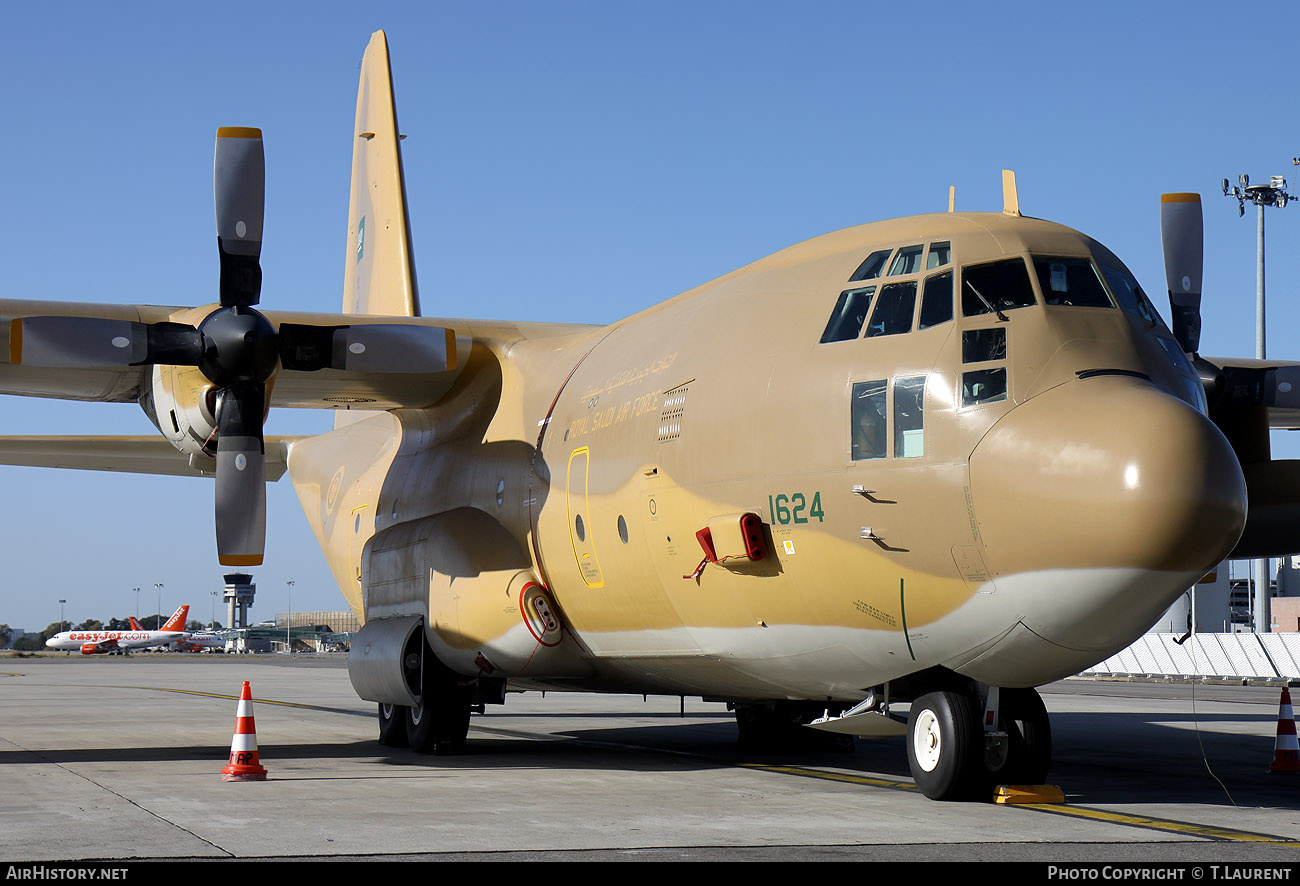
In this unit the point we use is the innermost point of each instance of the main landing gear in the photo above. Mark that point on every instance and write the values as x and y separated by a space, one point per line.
438 725
954 756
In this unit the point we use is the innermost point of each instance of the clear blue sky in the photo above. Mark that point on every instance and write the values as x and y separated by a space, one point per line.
579 161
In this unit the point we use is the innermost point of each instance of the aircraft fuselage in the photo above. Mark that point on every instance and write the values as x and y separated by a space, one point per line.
970 441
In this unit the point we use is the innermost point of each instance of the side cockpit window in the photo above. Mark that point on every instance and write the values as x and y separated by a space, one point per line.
1130 295
995 286
850 313
1072 282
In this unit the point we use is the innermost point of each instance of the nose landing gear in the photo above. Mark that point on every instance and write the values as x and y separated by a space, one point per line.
957 754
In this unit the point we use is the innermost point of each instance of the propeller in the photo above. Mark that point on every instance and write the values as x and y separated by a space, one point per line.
235 347
1227 388
1181 235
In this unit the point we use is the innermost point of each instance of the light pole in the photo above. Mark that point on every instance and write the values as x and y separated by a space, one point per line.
61 602
159 586
1272 194
288 619
214 594
137 603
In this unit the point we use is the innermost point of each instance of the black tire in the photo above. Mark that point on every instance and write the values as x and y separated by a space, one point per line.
419 727
392 725
943 746
1028 752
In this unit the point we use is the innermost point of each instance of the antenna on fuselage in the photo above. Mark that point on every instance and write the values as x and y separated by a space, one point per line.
1010 199
952 197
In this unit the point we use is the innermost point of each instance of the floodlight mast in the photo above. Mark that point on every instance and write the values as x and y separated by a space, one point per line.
1272 194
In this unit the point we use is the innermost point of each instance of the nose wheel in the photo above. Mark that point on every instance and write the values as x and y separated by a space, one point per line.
943 750
952 757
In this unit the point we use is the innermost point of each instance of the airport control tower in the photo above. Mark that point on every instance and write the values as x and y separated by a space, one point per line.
239 593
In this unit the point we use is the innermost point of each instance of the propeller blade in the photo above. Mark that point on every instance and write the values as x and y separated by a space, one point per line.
380 347
98 343
241 476
239 190
1182 235
76 342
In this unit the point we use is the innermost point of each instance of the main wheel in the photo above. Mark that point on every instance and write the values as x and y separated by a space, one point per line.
943 749
392 725
1027 753
441 723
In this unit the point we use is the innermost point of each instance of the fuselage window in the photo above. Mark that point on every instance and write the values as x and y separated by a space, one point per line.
995 286
1072 282
850 312
983 386
909 417
867 415
894 307
940 255
982 345
870 269
936 300
908 261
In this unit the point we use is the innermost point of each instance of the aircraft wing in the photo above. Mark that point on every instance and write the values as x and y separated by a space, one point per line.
1273 384
30 365
135 455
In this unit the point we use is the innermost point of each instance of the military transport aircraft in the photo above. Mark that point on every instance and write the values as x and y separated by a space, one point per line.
103 642
931 462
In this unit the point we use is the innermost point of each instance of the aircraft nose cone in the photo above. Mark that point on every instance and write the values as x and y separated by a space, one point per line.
1098 502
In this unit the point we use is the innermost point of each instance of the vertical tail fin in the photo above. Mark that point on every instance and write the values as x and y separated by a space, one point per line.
380 275
177 621
135 625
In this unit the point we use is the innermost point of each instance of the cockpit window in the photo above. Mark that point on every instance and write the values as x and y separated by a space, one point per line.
936 299
894 307
849 314
870 268
1130 295
940 255
983 386
1072 282
908 261
995 286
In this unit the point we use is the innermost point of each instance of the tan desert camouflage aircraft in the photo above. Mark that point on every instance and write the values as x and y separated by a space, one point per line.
937 460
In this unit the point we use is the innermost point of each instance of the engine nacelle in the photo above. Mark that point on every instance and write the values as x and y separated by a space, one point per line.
92 649
181 402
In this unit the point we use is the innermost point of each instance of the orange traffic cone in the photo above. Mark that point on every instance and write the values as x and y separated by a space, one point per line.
1286 753
243 747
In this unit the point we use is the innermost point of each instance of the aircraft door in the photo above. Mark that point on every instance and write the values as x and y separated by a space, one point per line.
580 525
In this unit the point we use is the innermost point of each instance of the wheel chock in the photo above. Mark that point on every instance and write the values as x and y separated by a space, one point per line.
1025 794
